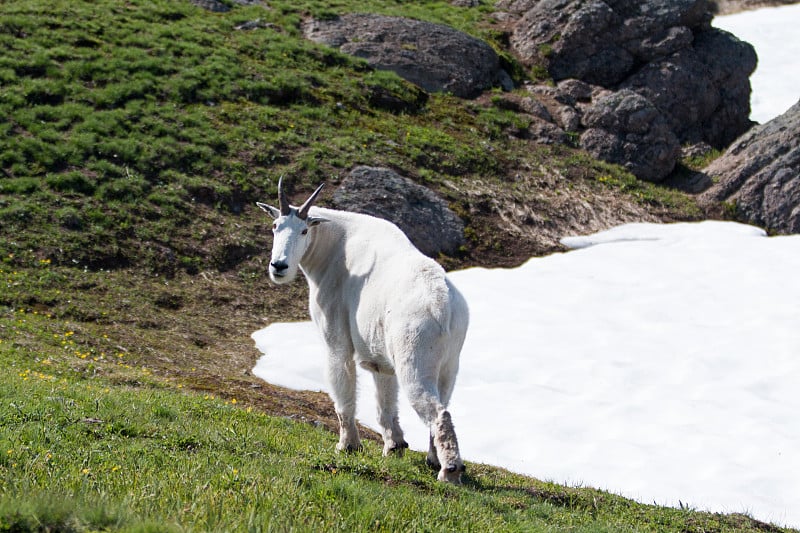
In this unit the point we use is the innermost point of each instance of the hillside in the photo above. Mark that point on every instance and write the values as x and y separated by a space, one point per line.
134 152
136 137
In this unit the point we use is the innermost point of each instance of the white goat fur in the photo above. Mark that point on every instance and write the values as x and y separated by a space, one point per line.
381 303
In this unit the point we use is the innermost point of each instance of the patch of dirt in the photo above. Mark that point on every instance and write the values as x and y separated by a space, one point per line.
508 225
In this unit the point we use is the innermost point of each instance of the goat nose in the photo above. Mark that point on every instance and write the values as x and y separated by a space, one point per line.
279 266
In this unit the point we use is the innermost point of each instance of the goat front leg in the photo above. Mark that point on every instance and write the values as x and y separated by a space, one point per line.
342 379
386 394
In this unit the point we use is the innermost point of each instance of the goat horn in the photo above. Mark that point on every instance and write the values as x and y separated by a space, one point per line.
303 211
283 202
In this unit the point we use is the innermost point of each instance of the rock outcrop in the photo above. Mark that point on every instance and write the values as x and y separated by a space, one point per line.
758 177
604 42
704 90
419 212
437 58
627 128
635 80
693 77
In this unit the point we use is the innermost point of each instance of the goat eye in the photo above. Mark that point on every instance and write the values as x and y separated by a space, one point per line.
274 227
304 231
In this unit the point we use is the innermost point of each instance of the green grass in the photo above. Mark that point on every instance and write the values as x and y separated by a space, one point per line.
92 442
168 106
117 116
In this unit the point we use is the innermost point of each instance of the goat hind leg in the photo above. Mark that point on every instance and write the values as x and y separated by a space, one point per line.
443 452
446 444
443 437
386 394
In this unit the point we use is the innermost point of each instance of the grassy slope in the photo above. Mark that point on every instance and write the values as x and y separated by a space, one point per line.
134 137
93 441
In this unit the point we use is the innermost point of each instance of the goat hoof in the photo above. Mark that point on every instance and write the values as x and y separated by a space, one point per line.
451 474
397 448
432 464
349 448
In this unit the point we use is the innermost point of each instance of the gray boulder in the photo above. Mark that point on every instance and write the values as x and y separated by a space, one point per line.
542 127
703 90
695 76
665 50
603 42
418 211
437 58
575 39
758 177
565 101
625 128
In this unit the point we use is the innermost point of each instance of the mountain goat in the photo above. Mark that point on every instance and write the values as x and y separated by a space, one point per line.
380 303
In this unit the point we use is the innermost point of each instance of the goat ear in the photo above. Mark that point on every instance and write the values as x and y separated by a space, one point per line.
313 221
273 211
